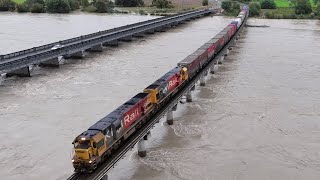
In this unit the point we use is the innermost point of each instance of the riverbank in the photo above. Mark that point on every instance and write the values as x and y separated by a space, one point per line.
285 13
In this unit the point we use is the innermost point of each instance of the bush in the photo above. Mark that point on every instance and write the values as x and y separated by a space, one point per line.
22 7
58 6
303 7
37 8
84 3
205 2
29 3
268 4
162 3
7 5
317 9
226 5
104 6
254 9
74 4
129 3
90 8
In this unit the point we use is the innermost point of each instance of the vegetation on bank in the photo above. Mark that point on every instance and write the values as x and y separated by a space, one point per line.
158 7
276 9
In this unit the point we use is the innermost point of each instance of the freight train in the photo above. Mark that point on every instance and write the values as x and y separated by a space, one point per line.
95 145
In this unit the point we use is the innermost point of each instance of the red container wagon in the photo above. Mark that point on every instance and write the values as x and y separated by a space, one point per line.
209 47
225 36
229 31
234 28
195 61
218 42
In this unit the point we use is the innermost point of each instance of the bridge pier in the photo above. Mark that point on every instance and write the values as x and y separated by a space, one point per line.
142 152
126 39
170 117
189 96
23 72
212 69
138 35
202 80
175 24
160 29
175 107
221 59
216 66
112 43
105 177
97 48
79 54
227 52
147 136
151 31
51 63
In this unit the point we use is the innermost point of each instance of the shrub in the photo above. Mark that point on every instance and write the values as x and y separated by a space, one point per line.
161 3
268 4
37 8
205 2
29 3
22 7
7 5
254 9
90 8
303 7
129 3
58 6
226 5
317 9
104 6
84 3
74 4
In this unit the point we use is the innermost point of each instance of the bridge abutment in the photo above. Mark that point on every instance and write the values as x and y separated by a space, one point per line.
142 152
54 62
22 72
170 117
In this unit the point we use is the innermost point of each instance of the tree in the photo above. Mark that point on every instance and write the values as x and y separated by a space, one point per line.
129 3
268 4
302 7
317 10
161 3
58 6
84 3
7 5
37 8
22 7
104 6
74 4
204 2
226 5
254 9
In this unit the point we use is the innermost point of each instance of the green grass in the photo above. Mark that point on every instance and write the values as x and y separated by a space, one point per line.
286 3
19 1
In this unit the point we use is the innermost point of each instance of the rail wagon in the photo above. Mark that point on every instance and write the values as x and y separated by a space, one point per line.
194 62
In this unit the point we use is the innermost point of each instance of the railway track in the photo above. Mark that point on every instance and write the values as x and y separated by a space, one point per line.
101 172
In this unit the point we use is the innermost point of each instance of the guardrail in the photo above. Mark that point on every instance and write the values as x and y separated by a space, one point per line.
104 169
88 41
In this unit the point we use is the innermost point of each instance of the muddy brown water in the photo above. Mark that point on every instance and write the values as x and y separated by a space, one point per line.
257 118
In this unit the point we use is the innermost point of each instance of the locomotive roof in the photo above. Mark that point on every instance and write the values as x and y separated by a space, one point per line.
164 78
88 134
137 98
100 125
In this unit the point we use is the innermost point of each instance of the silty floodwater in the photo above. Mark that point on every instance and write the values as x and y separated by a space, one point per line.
257 118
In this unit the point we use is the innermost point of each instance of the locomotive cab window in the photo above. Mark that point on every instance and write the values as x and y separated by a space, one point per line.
100 143
82 145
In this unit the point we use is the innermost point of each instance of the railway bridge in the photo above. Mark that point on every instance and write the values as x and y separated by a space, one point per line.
140 136
19 63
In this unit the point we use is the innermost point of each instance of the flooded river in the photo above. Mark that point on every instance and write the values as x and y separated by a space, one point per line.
257 118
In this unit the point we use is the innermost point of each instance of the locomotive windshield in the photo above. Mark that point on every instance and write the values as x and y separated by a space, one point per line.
82 145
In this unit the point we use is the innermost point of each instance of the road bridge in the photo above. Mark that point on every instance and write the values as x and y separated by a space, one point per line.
18 63
142 134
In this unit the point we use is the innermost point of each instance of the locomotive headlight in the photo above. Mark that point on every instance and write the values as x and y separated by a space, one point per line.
83 138
90 161
72 160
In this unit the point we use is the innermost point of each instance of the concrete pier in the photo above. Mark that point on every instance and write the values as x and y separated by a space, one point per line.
160 29
23 72
151 31
112 43
175 107
138 35
105 177
202 80
79 54
216 67
227 52
127 38
51 63
193 88
97 48
147 136
212 69
221 59
189 96
170 117
142 152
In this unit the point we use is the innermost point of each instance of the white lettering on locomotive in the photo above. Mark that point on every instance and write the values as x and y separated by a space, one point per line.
129 117
172 82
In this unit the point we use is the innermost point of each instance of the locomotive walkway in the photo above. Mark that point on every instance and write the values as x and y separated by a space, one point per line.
18 63
141 135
